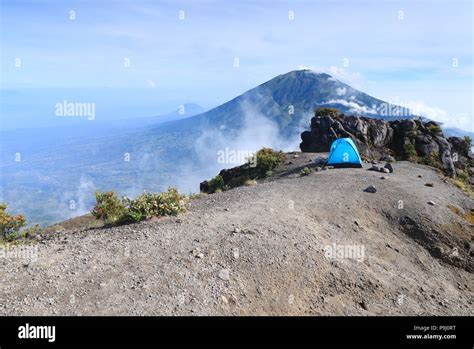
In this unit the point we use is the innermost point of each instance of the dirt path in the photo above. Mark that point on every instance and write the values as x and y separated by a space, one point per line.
264 250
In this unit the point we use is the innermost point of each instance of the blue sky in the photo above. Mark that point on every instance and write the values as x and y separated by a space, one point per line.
403 57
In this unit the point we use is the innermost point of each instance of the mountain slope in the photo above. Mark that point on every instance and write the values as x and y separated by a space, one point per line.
289 98
262 250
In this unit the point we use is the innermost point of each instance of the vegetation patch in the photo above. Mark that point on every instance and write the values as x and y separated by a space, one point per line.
13 228
305 171
267 160
216 184
113 210
332 112
410 152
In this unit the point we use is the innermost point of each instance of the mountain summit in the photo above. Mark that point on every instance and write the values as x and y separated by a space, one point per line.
290 99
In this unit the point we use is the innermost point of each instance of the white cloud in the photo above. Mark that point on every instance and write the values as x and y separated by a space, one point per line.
353 106
341 91
462 121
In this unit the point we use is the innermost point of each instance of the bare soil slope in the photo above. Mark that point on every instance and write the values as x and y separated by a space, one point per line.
262 250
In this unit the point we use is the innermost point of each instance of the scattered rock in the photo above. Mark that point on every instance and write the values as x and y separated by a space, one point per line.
389 167
374 168
432 203
388 158
370 189
429 184
224 274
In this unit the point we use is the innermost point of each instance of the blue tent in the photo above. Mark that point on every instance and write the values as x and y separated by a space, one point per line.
344 153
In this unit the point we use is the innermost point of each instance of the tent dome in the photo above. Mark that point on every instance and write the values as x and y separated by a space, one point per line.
344 153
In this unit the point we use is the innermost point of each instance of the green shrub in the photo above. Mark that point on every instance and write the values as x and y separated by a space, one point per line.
468 140
432 160
410 151
268 174
463 176
434 129
467 144
114 211
109 208
305 171
332 112
268 160
11 226
147 205
216 184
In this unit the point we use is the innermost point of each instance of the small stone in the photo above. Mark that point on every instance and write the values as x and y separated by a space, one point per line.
388 166
370 189
432 203
429 184
224 274
296 156
237 230
420 176
382 177
200 255
384 170
226 209
363 304
236 253
374 168
224 300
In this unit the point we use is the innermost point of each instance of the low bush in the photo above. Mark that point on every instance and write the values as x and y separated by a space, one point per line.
109 208
268 159
216 184
410 152
332 112
305 171
432 160
11 226
113 210
435 130
147 205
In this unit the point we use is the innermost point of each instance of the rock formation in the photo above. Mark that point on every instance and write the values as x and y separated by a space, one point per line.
408 139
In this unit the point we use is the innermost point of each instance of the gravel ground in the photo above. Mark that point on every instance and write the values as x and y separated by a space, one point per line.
264 250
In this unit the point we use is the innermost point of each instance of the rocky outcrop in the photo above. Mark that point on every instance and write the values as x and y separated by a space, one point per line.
408 139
